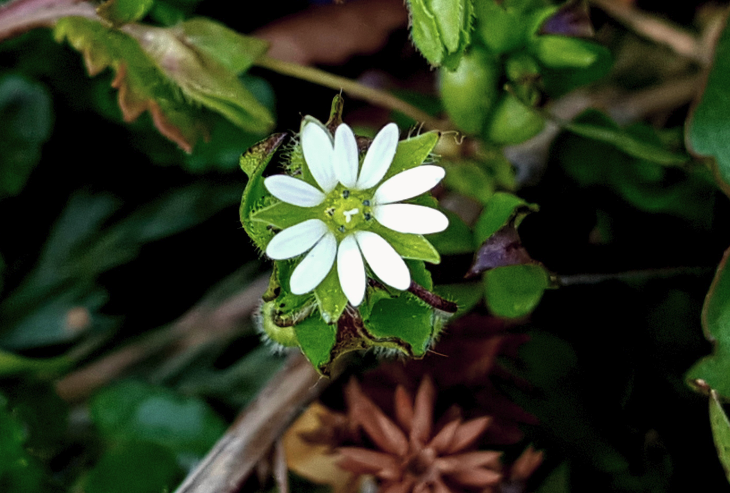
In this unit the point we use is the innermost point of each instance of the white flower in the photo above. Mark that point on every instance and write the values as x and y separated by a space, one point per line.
349 202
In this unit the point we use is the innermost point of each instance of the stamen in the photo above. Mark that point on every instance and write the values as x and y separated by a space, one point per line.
345 193
368 216
350 213
341 229
366 203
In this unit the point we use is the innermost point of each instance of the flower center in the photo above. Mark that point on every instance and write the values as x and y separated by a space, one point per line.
347 210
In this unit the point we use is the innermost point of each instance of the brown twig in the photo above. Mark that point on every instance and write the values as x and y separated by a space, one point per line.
632 275
658 30
251 436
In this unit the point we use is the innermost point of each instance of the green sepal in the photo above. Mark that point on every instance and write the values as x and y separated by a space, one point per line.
470 179
253 162
282 214
425 32
120 12
412 152
452 60
317 340
419 273
408 246
514 291
404 318
503 208
330 298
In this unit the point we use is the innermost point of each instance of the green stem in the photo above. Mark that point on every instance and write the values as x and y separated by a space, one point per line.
351 87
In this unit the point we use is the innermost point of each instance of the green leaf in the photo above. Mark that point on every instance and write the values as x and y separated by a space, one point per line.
514 291
404 318
720 431
501 209
412 152
455 239
594 125
558 481
137 467
19 471
559 81
140 412
409 246
163 71
253 163
708 129
119 12
13 364
330 298
26 121
469 179
317 339
714 369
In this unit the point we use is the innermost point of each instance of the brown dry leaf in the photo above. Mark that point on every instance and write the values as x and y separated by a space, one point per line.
331 34
316 461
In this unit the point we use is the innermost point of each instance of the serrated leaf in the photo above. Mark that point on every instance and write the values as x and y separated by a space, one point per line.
135 411
515 290
119 12
425 32
162 71
594 125
708 128
715 368
26 120
720 431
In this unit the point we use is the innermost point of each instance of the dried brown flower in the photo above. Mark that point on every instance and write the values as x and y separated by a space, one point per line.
414 455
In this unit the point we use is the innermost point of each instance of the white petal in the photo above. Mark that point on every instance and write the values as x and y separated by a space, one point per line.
411 218
408 184
315 266
296 239
379 157
293 191
345 156
383 260
351 270
317 148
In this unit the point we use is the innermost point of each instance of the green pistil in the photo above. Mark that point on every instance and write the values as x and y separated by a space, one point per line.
347 210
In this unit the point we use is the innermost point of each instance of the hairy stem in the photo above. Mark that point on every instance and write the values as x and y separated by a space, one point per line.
351 87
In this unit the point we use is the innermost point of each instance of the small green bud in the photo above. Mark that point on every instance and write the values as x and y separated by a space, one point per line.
501 29
513 122
521 68
563 52
469 92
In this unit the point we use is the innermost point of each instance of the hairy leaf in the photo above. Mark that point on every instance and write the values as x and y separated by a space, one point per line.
119 12
172 72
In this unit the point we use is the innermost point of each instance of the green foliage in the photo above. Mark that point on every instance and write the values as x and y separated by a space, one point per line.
514 290
720 431
19 472
714 369
132 411
503 208
707 132
119 12
138 467
26 120
164 70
